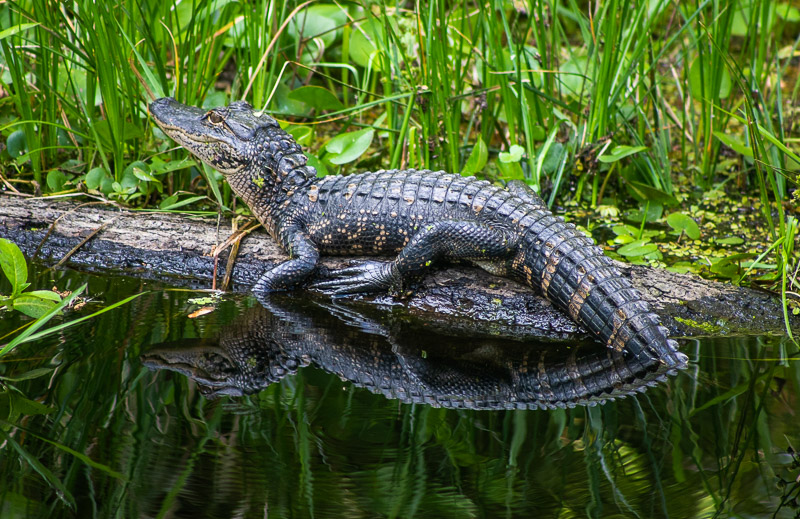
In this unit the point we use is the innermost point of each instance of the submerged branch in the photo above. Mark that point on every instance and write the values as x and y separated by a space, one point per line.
177 249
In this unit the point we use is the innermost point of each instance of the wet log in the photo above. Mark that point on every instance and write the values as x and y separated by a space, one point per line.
103 238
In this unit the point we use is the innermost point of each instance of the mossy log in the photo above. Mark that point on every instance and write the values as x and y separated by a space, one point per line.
99 237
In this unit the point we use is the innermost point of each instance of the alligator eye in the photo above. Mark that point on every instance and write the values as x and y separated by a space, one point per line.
215 118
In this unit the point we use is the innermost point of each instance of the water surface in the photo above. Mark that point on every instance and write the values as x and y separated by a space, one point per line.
108 436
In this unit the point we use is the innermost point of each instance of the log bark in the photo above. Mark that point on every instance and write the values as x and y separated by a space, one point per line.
175 248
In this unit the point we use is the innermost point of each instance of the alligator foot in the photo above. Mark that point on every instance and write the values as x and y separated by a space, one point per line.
362 278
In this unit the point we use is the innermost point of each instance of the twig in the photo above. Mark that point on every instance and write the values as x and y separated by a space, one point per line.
83 241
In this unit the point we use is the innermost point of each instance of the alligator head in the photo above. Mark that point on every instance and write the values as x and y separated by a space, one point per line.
247 146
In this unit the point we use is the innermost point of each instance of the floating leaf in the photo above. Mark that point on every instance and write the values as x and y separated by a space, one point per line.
316 97
683 223
637 248
349 146
732 240
477 158
620 152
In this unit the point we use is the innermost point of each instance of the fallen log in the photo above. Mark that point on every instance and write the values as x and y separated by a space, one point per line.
100 237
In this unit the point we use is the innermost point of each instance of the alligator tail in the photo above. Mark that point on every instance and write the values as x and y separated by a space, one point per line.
575 275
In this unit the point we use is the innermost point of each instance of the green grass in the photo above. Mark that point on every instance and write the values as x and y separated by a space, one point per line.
618 104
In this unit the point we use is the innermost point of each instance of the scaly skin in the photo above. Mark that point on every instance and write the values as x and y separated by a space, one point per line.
423 217
264 345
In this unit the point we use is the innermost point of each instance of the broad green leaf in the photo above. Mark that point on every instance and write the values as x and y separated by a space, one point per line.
314 162
514 154
316 97
301 134
683 223
145 176
620 152
56 180
553 157
98 178
700 87
477 158
45 294
17 144
637 248
159 167
730 266
786 11
33 306
11 31
130 178
349 146
282 103
364 42
734 144
318 21
14 266
510 170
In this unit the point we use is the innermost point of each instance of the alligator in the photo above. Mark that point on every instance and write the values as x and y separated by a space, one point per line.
423 217
401 359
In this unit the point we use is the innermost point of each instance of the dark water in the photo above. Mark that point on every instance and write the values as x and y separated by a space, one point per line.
108 436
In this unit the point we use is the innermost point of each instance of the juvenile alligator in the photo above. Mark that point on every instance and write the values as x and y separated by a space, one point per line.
266 344
424 217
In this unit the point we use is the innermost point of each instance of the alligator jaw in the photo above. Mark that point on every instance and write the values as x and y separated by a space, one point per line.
199 362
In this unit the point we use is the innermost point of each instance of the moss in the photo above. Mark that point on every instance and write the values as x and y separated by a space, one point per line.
706 327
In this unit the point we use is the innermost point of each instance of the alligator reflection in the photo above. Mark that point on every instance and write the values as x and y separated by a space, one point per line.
402 360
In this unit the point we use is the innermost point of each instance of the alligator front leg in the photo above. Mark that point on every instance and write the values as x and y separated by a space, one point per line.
303 256
447 240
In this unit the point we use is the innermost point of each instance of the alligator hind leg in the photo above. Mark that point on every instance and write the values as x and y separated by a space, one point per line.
447 240
520 189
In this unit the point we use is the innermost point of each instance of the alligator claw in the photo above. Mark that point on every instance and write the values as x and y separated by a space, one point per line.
363 278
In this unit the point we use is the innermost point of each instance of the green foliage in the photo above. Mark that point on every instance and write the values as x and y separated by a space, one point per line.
684 224
36 303
348 147
651 103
